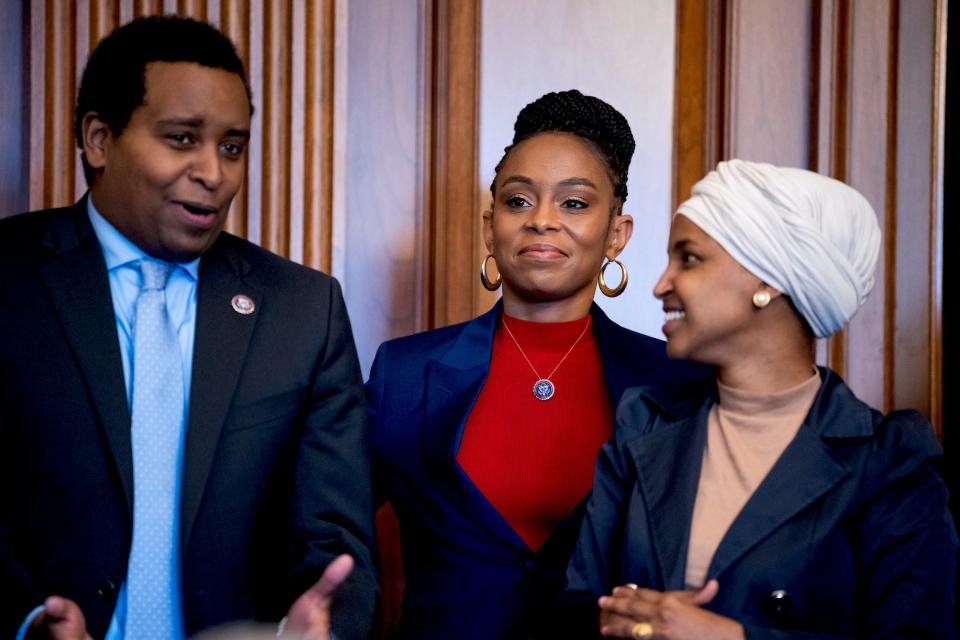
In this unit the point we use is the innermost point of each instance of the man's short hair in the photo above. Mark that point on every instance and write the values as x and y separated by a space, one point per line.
113 82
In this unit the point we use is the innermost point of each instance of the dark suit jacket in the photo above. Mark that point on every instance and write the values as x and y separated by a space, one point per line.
468 574
851 523
275 472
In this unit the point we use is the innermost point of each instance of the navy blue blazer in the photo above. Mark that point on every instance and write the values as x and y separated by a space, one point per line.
848 536
468 574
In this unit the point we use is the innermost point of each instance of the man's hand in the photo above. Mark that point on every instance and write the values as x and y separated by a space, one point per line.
62 620
309 616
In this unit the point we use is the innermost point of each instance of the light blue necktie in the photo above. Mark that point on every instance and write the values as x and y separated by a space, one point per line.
153 585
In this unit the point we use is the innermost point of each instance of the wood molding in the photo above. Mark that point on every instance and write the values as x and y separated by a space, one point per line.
452 228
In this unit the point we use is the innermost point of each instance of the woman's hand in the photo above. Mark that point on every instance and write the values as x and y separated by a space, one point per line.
670 615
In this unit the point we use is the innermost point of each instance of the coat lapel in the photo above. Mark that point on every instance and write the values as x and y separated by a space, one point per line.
220 349
76 280
805 471
453 383
668 461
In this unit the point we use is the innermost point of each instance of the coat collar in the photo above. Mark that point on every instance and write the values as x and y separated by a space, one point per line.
76 280
668 460
454 381
221 342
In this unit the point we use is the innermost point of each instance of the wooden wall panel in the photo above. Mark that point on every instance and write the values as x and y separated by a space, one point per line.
767 81
14 115
849 88
286 202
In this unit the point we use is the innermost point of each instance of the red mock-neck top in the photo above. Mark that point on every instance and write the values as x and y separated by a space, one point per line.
533 459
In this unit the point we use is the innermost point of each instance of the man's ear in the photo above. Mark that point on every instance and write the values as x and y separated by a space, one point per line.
96 139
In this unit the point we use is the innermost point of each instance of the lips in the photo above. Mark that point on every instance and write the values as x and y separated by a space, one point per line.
542 251
198 215
671 318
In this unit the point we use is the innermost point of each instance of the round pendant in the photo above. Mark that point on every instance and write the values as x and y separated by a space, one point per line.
543 389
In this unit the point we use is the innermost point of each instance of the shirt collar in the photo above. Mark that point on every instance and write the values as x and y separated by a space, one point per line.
119 251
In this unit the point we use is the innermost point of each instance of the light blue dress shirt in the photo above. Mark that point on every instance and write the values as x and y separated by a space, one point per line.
123 258
123 269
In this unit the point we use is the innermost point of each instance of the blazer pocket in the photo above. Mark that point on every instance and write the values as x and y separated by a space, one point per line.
279 406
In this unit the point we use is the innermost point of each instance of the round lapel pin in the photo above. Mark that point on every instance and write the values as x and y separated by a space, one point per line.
244 305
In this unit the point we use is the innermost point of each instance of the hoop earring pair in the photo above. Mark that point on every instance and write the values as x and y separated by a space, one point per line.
613 292
489 286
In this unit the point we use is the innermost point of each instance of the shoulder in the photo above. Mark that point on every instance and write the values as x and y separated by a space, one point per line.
420 347
648 408
22 232
644 358
903 444
273 273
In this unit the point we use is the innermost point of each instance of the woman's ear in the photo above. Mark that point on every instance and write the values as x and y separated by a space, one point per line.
621 228
488 230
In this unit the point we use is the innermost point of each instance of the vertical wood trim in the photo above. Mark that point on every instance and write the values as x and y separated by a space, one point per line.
235 22
453 231
38 52
255 152
689 98
890 211
699 90
275 130
338 130
318 134
936 218
837 345
60 38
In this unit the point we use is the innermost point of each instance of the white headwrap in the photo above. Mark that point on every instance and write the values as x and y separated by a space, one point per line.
811 237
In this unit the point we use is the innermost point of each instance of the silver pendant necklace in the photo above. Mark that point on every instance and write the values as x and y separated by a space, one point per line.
543 388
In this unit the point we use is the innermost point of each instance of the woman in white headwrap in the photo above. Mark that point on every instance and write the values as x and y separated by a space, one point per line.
773 504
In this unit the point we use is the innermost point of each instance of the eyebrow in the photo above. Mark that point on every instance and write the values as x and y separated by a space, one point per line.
521 179
577 182
196 123
569 182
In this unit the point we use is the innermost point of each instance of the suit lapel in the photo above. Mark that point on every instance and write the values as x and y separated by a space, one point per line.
668 462
79 288
220 348
453 383
805 471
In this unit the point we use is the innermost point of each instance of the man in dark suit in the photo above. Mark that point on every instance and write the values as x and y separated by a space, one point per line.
269 484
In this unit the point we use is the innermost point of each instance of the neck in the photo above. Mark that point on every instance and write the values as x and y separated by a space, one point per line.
769 372
571 308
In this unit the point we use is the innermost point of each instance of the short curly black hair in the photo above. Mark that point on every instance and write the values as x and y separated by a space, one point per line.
113 84
584 116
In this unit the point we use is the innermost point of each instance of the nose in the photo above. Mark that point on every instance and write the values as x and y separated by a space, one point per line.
664 286
206 167
542 218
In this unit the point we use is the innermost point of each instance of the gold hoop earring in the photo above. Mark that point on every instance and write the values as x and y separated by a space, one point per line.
489 286
761 298
615 291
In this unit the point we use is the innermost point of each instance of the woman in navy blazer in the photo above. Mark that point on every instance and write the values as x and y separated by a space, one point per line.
484 558
836 526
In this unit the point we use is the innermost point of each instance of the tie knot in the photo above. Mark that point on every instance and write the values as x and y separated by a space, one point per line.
155 274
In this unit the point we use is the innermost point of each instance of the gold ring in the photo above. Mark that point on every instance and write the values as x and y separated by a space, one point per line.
642 631
632 585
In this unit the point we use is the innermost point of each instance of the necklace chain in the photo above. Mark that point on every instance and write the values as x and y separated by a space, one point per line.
533 368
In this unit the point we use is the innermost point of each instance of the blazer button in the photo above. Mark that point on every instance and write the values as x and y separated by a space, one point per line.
530 564
106 589
779 603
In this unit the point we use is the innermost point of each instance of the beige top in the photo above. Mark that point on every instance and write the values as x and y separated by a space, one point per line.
746 433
